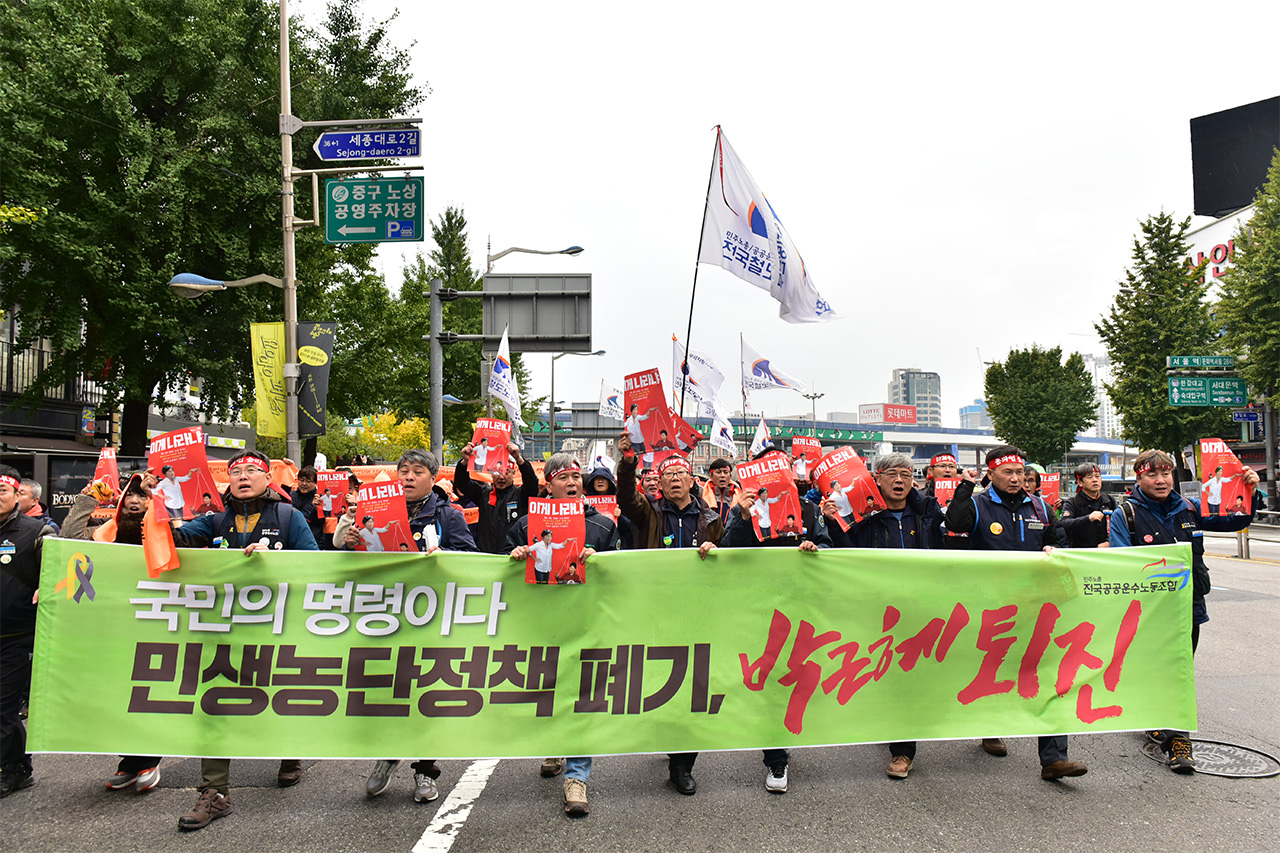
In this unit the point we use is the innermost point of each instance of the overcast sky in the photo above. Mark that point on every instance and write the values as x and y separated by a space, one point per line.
961 179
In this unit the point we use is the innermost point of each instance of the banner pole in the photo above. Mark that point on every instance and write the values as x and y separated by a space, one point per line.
693 293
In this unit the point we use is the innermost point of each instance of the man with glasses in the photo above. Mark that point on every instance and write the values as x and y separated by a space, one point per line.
256 518
1155 515
911 520
564 482
1006 518
675 519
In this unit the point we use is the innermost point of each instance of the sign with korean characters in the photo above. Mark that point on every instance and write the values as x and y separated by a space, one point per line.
349 655
373 210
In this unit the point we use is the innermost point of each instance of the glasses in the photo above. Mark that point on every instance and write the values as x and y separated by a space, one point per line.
898 475
244 471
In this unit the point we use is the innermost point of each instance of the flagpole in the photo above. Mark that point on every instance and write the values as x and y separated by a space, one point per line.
742 377
706 203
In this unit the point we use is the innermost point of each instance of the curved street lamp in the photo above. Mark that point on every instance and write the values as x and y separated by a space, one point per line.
192 286
572 250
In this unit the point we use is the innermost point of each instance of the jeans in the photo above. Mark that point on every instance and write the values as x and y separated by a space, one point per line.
577 768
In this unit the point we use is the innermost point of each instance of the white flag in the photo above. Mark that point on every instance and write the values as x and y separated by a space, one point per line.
599 457
722 435
742 233
696 375
610 402
759 373
762 438
502 384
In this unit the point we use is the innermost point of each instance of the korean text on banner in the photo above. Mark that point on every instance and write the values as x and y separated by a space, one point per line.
342 655
315 356
267 345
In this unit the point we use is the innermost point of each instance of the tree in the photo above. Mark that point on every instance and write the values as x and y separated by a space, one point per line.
1159 311
1039 402
1248 312
149 131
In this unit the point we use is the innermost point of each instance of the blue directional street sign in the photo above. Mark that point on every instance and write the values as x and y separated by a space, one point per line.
370 144
1248 416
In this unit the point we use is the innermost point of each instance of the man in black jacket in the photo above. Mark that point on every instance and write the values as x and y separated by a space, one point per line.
812 535
1085 514
564 482
20 538
500 504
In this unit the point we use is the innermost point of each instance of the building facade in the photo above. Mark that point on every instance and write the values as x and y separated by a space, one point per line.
975 416
919 388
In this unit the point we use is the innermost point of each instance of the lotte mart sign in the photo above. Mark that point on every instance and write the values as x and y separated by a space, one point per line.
373 210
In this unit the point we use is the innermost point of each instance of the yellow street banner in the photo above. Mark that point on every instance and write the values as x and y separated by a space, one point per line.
268 376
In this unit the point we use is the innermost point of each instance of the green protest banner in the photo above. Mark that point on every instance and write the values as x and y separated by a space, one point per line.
343 655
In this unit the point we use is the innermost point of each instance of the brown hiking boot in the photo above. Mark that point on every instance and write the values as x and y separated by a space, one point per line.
552 767
211 806
290 773
575 798
994 746
1061 768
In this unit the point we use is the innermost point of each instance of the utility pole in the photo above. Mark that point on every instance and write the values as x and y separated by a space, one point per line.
293 447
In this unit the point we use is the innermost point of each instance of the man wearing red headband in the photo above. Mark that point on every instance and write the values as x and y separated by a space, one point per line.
1006 518
20 538
1156 515
256 518
564 482
676 519
500 504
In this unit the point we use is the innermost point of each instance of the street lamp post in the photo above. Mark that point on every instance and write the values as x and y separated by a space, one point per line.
490 258
554 359
813 402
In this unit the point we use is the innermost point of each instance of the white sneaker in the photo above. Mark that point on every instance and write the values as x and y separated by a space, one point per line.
379 777
424 788
775 781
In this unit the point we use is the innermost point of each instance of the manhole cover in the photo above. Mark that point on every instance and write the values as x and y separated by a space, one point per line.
1215 758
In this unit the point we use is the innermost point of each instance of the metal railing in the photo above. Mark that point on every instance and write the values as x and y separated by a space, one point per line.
20 369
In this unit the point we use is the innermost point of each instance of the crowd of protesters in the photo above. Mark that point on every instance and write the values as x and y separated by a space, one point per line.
668 507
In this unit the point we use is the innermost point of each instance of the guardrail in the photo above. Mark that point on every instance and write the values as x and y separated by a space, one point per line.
1260 532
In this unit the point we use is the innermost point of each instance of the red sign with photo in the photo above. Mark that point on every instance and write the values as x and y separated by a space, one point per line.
382 520
1222 487
557 530
107 471
489 446
333 487
944 489
1051 488
606 505
648 421
179 460
776 511
842 476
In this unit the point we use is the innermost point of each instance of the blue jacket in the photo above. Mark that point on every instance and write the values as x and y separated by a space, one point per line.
278 522
921 527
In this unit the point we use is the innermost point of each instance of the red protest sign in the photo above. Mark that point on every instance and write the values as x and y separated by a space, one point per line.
648 422
842 476
382 520
1222 487
807 451
775 510
179 460
1051 488
606 505
944 489
489 450
557 529
333 487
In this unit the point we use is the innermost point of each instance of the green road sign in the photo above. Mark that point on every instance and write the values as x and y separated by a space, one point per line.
1207 391
368 210
1228 392
1209 362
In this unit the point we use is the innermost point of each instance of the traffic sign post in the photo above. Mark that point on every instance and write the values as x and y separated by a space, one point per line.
373 210
1207 391
1207 362
369 144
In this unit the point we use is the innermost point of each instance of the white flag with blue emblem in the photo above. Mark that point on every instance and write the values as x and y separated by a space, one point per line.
761 440
611 402
502 384
759 373
742 233
722 434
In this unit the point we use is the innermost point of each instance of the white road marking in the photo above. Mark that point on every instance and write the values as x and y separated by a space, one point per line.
452 816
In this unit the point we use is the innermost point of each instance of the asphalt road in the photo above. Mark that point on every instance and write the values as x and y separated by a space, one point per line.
957 797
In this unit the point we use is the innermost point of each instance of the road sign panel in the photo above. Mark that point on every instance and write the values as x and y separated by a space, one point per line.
373 210
1208 362
1228 392
1249 416
1188 391
378 144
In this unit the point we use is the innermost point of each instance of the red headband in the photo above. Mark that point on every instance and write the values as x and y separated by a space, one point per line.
10 481
1150 464
674 462
572 466
1005 460
1090 471
940 458
252 460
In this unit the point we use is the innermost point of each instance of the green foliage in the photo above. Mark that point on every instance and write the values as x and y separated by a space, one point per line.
148 129
1159 311
1249 310
1040 403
